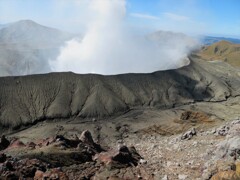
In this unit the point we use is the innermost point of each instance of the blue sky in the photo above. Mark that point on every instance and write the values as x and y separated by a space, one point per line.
217 17
213 17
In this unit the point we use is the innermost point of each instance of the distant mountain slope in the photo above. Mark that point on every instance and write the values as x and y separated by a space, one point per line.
28 99
26 47
208 40
1 26
222 50
171 38
30 33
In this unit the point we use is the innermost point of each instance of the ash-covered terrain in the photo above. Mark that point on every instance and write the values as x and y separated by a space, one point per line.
29 99
180 123
174 124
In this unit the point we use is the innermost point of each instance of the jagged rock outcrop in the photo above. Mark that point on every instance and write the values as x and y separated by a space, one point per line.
189 134
70 158
13 168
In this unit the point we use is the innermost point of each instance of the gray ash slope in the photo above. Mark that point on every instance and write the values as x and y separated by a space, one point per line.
27 99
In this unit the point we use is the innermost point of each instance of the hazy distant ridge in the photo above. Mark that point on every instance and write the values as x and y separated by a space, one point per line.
26 47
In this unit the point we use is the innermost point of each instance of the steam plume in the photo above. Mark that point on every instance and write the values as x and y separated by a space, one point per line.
110 46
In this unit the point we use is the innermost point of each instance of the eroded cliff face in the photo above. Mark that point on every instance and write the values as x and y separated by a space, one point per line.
28 99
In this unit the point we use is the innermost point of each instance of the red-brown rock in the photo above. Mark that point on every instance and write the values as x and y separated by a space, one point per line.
16 143
51 174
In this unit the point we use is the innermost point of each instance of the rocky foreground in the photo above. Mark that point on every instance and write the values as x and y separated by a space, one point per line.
194 154
62 158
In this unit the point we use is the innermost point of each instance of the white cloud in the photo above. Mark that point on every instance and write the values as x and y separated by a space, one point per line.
176 17
144 16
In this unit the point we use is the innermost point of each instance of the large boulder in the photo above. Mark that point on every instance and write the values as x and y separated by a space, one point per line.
118 158
189 134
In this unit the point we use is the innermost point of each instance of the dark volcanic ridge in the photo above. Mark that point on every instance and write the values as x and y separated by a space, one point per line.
28 99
